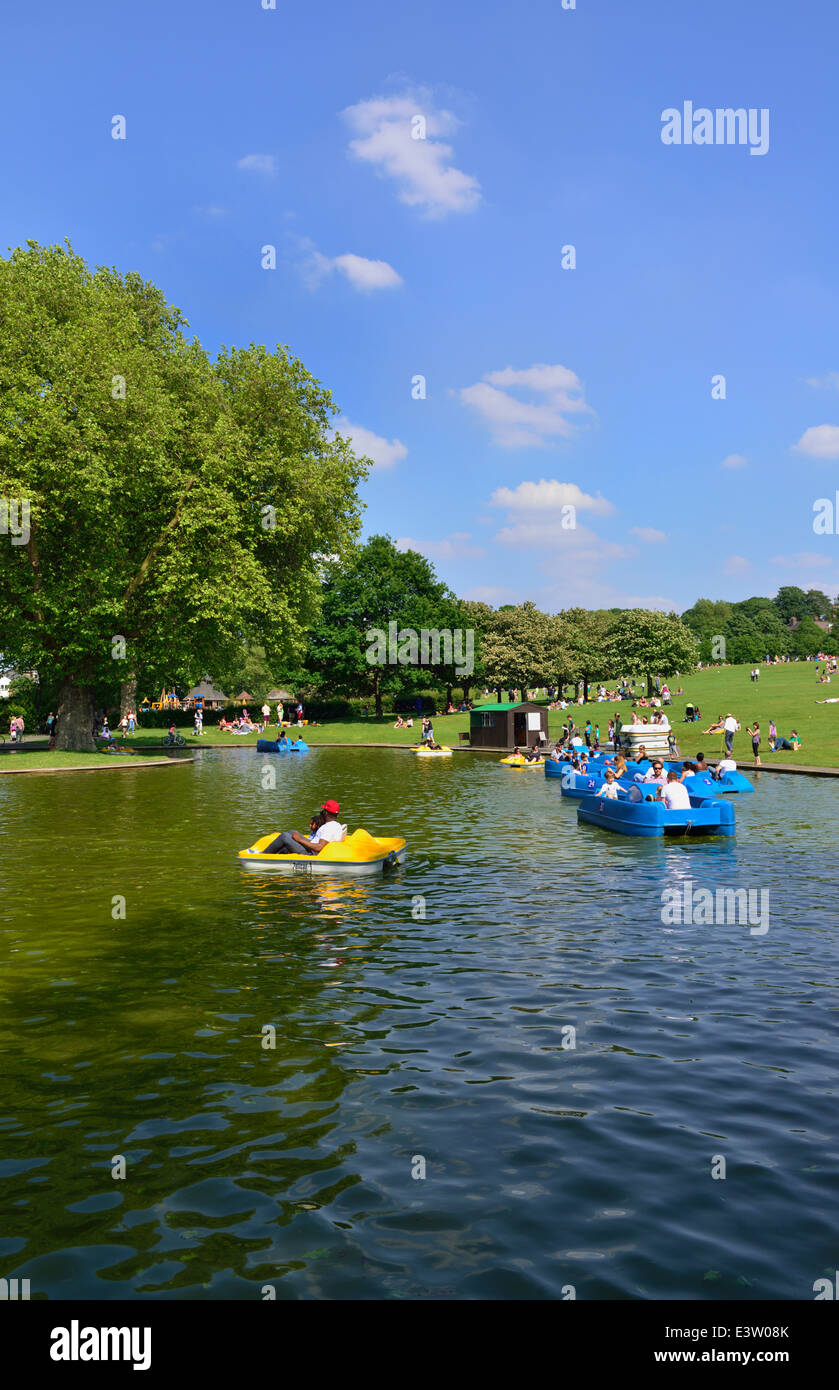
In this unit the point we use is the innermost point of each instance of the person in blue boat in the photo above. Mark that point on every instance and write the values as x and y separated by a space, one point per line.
326 832
726 764
610 787
656 773
301 746
674 793
282 742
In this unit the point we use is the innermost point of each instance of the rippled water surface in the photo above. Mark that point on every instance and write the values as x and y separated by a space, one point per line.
405 1041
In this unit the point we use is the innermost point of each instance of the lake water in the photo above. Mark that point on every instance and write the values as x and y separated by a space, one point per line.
405 1042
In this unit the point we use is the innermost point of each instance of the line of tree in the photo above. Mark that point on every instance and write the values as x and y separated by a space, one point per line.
786 625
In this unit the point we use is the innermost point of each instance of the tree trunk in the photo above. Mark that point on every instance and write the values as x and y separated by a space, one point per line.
466 689
448 695
128 694
75 718
377 691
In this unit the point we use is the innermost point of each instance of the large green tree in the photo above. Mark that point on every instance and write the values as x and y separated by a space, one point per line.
643 642
516 648
371 598
177 506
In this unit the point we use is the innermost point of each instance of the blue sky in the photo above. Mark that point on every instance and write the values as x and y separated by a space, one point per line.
442 257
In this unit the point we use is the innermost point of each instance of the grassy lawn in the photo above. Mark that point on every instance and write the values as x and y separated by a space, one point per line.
35 754
785 693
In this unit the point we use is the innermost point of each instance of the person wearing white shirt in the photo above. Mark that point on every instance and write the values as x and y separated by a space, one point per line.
726 765
675 794
731 726
328 832
610 786
656 774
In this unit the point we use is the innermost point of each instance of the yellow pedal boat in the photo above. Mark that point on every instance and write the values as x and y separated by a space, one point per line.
434 752
356 855
519 761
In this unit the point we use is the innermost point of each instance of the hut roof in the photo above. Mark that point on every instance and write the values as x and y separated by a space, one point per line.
208 692
243 696
279 695
508 705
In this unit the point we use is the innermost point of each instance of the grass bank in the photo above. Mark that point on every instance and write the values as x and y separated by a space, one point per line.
786 693
36 757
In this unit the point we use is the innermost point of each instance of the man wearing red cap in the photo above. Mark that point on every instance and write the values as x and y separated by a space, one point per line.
290 842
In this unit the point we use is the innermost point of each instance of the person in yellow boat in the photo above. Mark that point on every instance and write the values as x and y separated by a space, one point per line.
326 833
534 755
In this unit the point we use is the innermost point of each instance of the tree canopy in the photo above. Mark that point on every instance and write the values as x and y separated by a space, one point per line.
177 506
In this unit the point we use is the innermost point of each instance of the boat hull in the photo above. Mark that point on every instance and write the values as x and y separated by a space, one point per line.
647 819
358 856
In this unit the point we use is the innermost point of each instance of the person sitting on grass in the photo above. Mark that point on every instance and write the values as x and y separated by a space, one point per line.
400 722
716 727
328 832
796 741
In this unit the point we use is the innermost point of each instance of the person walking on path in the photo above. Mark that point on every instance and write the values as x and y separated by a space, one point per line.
266 713
132 721
730 726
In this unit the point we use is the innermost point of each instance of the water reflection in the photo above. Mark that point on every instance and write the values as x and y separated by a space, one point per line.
396 1037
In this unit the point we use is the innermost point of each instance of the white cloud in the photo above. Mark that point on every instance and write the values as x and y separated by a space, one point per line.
516 423
548 495
649 534
364 275
383 130
828 382
258 163
734 461
453 547
803 560
549 534
384 452
819 442
736 564
367 275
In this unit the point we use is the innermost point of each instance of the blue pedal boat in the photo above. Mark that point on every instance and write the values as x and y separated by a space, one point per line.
269 745
706 816
730 782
